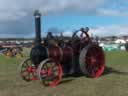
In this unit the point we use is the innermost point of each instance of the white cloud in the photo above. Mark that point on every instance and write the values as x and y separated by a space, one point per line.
14 9
68 33
110 12
16 15
111 30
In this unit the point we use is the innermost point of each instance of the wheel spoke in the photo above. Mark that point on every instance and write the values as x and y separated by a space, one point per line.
25 65
88 58
93 51
91 70
98 54
33 76
23 71
29 76
29 63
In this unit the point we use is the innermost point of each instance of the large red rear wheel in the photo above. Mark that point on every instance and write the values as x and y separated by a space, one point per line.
92 60
50 72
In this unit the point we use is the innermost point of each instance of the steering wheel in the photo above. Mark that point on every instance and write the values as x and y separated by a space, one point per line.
82 38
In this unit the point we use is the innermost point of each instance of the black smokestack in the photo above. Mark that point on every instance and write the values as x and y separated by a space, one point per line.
37 15
38 52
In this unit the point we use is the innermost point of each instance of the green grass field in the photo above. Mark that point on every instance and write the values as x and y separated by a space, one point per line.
114 81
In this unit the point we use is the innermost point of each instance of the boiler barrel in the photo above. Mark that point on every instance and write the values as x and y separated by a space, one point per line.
60 54
55 53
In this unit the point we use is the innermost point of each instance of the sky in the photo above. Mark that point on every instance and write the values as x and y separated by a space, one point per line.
103 17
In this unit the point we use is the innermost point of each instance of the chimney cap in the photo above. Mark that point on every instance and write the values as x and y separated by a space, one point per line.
37 13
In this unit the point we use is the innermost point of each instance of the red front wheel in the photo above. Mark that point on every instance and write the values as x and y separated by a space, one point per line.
27 70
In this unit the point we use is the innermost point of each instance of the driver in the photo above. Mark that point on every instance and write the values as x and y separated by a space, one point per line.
85 31
49 35
51 39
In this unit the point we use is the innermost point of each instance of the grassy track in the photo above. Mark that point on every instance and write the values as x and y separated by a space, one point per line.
114 81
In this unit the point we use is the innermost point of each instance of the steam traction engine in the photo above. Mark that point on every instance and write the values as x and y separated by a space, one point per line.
55 58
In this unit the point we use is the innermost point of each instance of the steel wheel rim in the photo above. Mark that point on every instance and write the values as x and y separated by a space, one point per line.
94 61
47 77
19 55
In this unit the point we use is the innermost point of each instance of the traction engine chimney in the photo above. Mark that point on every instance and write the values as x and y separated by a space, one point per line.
38 52
37 27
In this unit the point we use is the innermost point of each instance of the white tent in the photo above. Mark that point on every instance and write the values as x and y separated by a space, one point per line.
120 41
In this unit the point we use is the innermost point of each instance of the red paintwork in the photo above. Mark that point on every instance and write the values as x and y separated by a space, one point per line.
95 62
57 81
60 54
55 53
67 54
